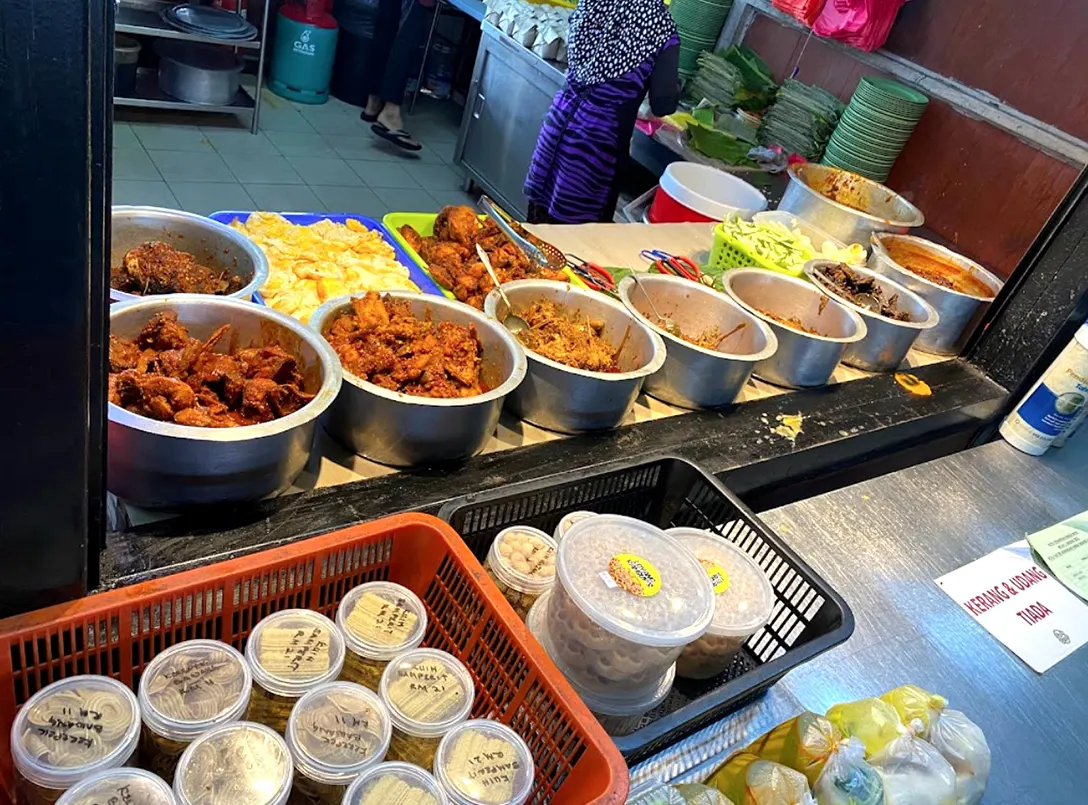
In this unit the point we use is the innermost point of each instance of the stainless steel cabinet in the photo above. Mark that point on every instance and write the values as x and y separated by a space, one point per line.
510 93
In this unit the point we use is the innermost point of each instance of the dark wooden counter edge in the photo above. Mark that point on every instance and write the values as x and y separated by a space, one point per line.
850 431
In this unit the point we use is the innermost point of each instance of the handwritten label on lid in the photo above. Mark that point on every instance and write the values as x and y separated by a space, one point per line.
301 653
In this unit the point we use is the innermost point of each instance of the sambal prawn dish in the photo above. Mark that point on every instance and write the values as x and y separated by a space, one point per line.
380 340
567 337
166 374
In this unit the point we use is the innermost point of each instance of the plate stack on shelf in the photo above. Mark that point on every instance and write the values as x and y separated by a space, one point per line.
874 128
801 119
699 23
216 23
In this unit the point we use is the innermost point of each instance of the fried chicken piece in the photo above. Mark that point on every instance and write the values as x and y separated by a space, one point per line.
123 354
153 396
370 313
413 238
442 253
458 224
163 331
271 363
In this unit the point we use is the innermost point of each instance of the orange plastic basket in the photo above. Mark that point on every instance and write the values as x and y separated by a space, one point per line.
117 633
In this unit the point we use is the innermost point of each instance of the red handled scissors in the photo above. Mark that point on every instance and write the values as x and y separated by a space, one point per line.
592 274
678 265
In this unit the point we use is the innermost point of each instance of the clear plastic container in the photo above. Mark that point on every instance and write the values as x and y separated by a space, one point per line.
744 602
335 733
70 730
629 598
521 562
290 653
395 783
120 787
482 762
618 714
241 763
184 692
428 692
568 520
378 620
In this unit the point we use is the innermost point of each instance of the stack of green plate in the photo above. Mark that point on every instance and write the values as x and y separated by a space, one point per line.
874 128
699 23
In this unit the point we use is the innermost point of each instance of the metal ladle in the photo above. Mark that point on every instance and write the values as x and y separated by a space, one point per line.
512 321
670 326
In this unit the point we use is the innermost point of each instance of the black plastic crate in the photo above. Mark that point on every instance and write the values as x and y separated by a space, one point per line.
809 617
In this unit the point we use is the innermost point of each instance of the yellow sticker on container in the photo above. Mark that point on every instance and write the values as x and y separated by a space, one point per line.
634 574
719 579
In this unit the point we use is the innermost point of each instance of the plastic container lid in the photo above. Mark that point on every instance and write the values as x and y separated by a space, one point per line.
568 520
743 593
235 764
395 782
482 762
337 731
528 573
74 728
381 619
427 692
635 581
194 686
121 785
294 651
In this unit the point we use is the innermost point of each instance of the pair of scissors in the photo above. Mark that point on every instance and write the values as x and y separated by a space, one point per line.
678 265
591 274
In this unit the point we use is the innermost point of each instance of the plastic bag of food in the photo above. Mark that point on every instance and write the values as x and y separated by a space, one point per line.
695 794
912 702
962 743
873 721
803 743
915 773
749 780
847 779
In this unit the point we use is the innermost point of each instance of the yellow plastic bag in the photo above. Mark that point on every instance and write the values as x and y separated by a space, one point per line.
912 702
695 794
803 744
873 721
748 780
847 779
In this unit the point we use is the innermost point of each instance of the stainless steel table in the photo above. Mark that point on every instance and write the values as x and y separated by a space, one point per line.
881 544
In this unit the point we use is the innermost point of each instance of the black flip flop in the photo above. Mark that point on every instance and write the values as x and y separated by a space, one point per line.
366 118
398 137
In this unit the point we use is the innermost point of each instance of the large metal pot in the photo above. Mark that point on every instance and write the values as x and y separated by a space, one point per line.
887 341
693 376
569 400
198 73
214 245
402 430
164 465
956 309
803 360
863 206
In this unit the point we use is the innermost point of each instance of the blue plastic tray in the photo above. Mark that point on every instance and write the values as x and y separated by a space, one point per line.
415 273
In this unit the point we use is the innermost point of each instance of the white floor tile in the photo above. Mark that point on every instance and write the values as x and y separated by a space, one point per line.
452 197
443 151
357 200
435 177
155 137
406 200
261 169
384 174
325 171
301 143
155 194
332 121
283 197
134 163
358 146
207 197
190 166
124 136
286 119
232 141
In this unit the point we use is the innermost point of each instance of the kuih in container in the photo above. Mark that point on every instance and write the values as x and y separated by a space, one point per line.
291 653
334 734
482 762
122 785
521 562
427 692
627 601
68 731
395 782
236 764
567 521
743 603
184 692
378 620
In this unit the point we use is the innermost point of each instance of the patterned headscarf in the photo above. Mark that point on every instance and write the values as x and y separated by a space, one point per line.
609 38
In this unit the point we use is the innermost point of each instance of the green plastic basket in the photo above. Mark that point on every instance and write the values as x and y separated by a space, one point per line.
728 252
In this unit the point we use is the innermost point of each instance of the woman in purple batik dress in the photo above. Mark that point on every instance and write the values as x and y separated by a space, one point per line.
617 51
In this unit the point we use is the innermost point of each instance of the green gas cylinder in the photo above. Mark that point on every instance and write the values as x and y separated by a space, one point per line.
303 53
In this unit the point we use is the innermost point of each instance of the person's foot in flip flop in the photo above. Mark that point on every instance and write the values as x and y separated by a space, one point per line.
390 126
373 107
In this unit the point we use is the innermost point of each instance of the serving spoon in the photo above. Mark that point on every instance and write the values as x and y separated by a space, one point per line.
670 326
512 321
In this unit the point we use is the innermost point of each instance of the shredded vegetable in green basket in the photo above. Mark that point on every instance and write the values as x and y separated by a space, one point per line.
786 248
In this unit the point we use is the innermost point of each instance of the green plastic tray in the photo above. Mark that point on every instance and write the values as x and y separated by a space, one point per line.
730 253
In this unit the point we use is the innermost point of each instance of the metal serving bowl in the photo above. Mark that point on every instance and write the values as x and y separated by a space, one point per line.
561 398
803 360
870 207
888 340
403 430
693 376
213 244
164 465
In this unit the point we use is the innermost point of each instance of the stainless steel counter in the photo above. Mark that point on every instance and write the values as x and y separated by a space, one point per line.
881 544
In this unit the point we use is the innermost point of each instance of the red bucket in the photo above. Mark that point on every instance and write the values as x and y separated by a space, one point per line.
692 193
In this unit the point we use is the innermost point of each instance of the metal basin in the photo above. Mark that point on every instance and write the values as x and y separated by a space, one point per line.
404 431
803 360
693 376
956 309
863 206
887 341
569 400
164 465
214 245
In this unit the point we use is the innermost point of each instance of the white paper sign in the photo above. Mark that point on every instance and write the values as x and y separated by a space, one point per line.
1037 618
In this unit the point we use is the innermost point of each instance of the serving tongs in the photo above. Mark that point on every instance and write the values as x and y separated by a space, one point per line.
545 255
